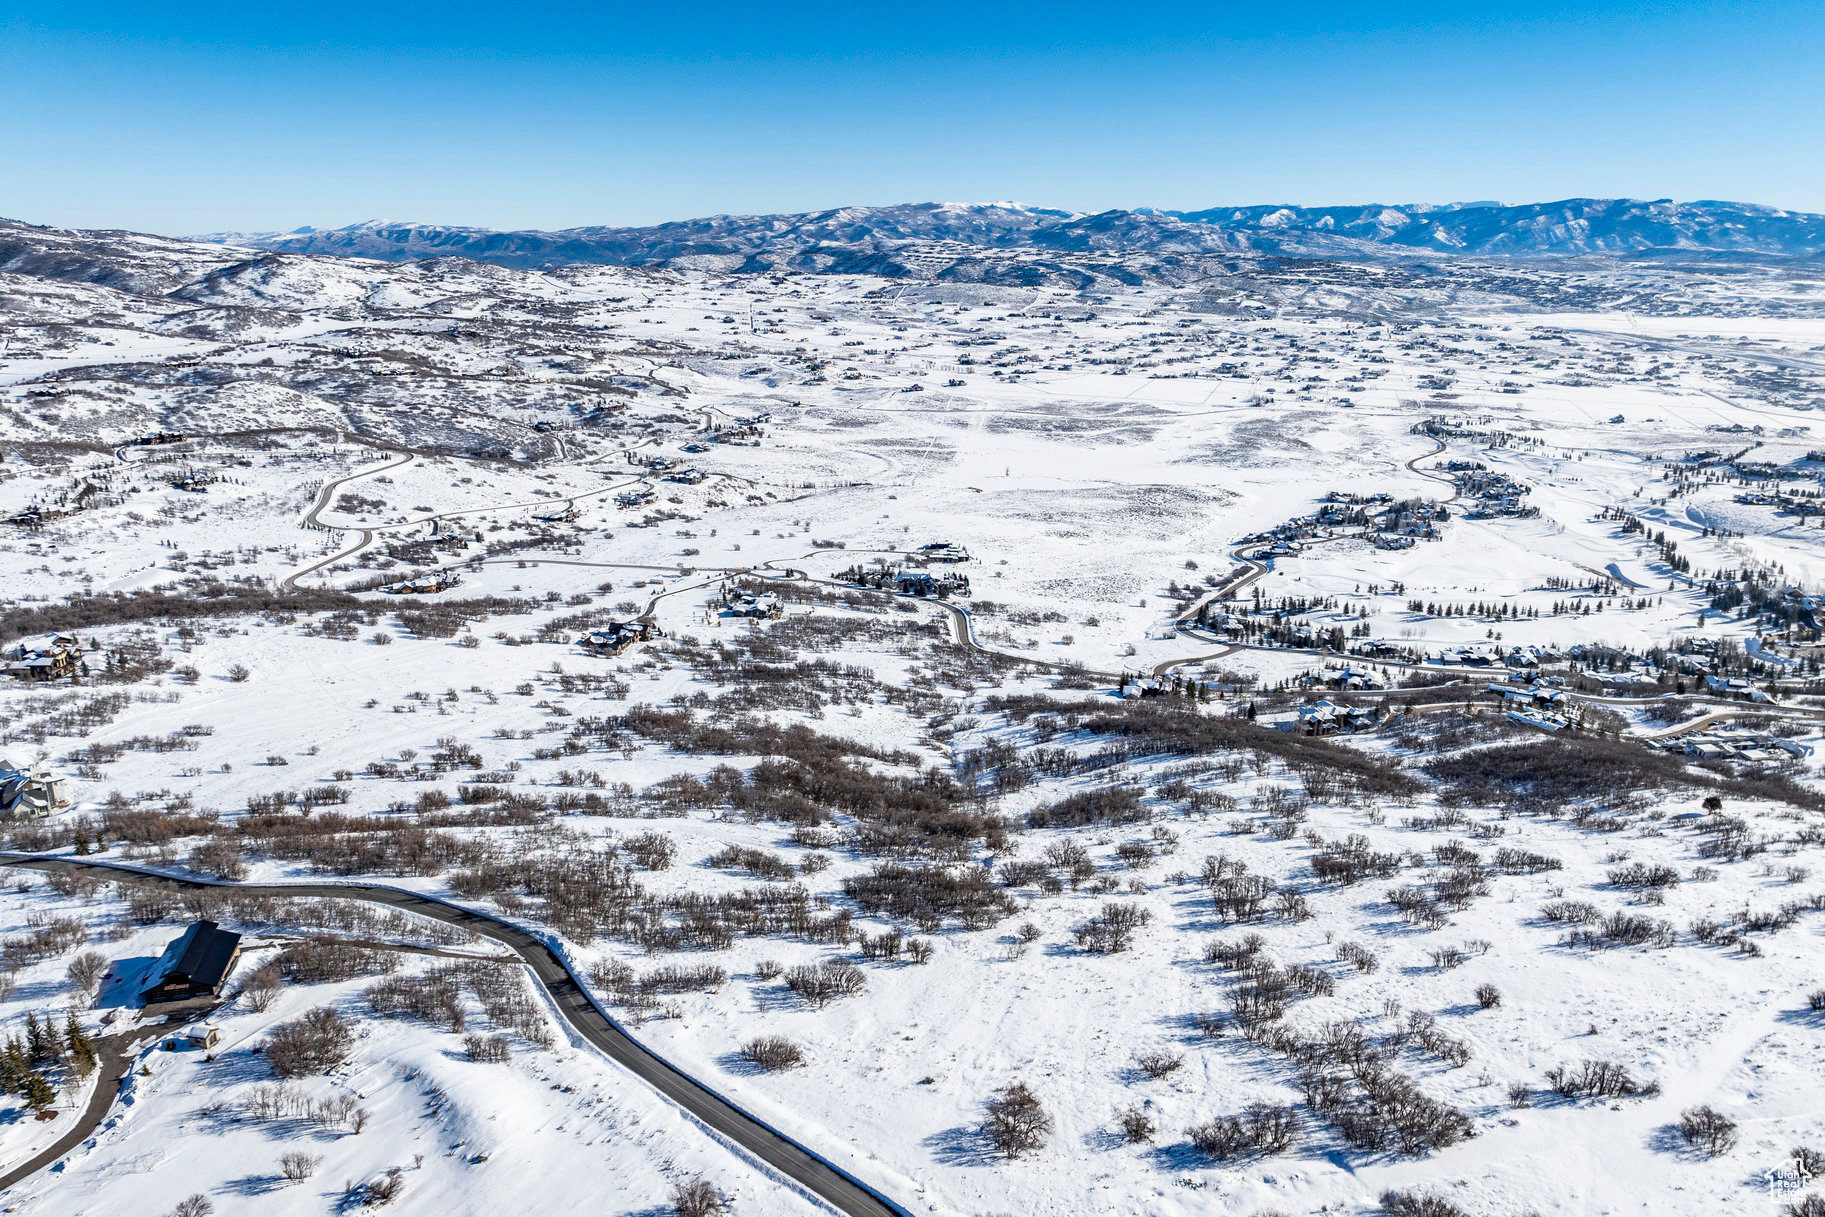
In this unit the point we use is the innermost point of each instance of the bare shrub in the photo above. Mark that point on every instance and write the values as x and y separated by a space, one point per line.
194 1205
219 856
1600 1079
1357 956
1265 1128
1137 1126
488 1049
1816 999
1015 1121
772 1053
323 960
1159 1062
85 972
1112 930
385 1189
1707 1130
298 1166
653 850
315 1043
822 983
1220 1138
696 1197
1488 996
1413 1204
767 969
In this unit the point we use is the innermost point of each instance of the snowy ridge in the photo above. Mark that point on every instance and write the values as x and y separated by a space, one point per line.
850 236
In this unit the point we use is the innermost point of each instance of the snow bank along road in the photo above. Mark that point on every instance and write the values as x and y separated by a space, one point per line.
841 1190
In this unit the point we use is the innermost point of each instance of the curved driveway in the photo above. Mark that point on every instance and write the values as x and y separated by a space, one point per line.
803 1166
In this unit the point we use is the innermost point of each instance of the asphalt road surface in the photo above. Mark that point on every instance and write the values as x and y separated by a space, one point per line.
835 1186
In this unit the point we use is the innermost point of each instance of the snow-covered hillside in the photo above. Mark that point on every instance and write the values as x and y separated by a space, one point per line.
1334 737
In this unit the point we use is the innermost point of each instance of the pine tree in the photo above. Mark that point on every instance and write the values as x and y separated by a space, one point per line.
13 1066
38 1093
82 1046
37 1046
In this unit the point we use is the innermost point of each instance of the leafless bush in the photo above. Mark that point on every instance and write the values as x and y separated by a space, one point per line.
219 856
385 1189
1110 805
822 983
433 996
1015 1121
194 1205
1357 956
298 1166
488 1049
772 1053
1112 930
767 969
1602 1079
1137 1126
1313 982
1707 1130
1158 1062
1816 999
315 1043
324 960
1413 1204
1264 1128
1488 996
1623 929
653 850
85 972
696 1197
1221 1138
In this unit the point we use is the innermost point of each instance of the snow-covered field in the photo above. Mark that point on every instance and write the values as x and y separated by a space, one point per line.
1112 458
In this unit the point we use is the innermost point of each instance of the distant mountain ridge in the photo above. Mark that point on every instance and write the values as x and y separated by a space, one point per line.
918 237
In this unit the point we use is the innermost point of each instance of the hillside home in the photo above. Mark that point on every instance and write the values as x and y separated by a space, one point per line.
619 636
30 795
196 964
44 657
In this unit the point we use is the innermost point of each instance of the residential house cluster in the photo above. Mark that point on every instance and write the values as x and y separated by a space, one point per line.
45 657
1727 744
423 585
30 793
618 636
736 601
1492 494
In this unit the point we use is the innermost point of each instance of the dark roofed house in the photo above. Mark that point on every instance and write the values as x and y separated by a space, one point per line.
197 964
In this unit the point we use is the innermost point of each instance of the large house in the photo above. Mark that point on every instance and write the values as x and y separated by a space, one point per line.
196 964
31 794
619 636
45 657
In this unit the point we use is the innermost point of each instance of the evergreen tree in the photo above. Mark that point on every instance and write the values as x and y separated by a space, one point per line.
81 1046
38 1093
13 1066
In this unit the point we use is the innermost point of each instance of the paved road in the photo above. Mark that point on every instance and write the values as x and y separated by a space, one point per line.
841 1190
115 1053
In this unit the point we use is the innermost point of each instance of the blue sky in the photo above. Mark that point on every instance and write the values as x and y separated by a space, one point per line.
199 117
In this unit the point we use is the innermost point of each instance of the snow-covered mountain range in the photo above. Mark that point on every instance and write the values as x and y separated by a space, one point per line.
911 237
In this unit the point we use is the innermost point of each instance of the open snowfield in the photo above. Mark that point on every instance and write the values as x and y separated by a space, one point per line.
1446 905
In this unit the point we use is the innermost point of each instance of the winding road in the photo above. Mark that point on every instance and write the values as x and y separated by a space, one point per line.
804 1166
